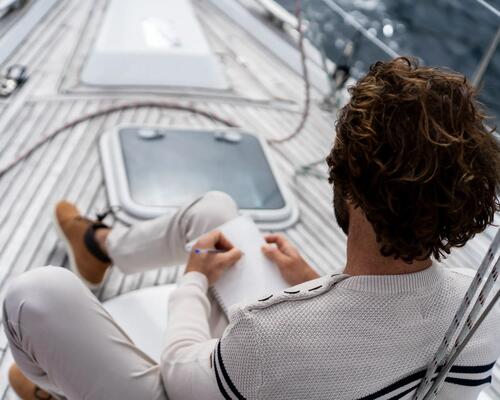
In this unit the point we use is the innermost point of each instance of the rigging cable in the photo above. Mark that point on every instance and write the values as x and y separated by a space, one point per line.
464 323
434 390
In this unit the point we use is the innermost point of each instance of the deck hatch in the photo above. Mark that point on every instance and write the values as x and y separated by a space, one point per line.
152 43
151 170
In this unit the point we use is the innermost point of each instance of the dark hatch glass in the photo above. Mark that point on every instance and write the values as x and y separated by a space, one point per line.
172 167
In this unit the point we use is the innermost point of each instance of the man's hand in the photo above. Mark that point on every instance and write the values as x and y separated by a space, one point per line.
212 265
288 259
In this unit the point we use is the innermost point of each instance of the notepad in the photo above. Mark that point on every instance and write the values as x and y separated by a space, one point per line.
254 275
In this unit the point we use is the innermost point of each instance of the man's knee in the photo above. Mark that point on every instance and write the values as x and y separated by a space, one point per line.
217 208
42 287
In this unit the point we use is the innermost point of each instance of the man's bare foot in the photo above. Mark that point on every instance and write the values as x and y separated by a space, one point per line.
84 239
24 388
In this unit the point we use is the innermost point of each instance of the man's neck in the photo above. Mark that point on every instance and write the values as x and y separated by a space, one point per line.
363 252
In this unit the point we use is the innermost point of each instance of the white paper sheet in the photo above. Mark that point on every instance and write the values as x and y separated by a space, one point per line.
254 275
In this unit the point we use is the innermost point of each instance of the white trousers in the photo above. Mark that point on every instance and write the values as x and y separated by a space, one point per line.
65 342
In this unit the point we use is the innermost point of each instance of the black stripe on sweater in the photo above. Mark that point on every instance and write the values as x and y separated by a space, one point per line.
469 382
218 363
472 370
226 375
396 385
403 394
219 382
420 375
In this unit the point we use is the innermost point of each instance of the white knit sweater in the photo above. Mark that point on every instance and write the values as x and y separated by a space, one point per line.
365 337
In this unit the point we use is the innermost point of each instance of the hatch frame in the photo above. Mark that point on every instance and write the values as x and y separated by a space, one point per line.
118 190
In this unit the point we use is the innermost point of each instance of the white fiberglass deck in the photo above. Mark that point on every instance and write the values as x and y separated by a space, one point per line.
266 96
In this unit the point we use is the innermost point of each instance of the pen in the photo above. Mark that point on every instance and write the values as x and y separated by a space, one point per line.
205 251
189 248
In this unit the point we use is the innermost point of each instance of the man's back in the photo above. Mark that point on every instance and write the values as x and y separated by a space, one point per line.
373 338
415 173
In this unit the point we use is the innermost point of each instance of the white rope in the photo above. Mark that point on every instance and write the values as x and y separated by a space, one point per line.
446 368
462 319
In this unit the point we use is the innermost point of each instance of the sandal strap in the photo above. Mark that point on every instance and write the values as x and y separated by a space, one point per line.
41 394
91 243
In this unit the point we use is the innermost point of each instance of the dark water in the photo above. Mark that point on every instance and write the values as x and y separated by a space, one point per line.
451 33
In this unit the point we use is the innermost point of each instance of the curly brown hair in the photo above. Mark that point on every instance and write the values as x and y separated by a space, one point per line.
413 152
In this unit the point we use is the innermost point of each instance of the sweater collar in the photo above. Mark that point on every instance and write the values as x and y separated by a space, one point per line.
403 283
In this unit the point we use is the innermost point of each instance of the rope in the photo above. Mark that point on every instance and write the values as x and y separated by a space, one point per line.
310 170
305 76
443 354
446 368
107 111
177 106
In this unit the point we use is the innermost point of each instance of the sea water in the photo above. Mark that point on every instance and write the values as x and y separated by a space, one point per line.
451 33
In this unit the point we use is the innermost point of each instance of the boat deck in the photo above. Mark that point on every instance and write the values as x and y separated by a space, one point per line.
266 97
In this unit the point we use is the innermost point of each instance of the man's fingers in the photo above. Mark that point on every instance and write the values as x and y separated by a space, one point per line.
282 242
275 238
208 240
214 239
230 257
223 243
275 254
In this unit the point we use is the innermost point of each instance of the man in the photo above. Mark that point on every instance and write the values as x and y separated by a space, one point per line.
415 173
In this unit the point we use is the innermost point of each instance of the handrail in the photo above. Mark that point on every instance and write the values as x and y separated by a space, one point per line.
351 20
485 61
488 55
481 67
348 18
489 7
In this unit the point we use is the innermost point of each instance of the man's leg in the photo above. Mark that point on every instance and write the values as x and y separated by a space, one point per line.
161 242
93 247
146 245
66 343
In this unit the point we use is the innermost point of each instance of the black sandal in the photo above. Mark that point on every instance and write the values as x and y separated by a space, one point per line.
41 394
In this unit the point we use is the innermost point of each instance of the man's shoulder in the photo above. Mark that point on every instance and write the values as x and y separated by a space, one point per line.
462 273
306 291
460 278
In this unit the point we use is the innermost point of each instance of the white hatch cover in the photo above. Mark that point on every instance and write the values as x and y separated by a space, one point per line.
150 171
152 43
